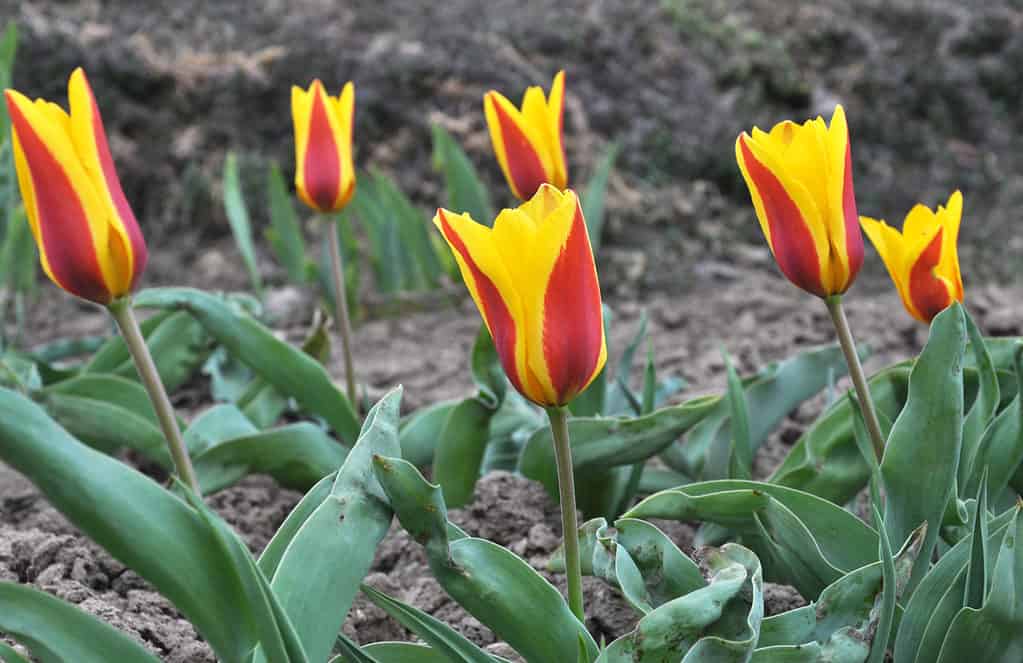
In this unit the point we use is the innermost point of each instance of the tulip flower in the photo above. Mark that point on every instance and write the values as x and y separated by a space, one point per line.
527 142
324 172
325 180
922 260
89 241
533 278
534 281
800 179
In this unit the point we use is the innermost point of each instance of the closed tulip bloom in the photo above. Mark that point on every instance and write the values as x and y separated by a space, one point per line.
528 141
89 241
923 260
800 180
324 171
534 280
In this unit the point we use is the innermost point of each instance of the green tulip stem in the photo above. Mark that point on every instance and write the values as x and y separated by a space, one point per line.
569 523
344 323
124 315
845 339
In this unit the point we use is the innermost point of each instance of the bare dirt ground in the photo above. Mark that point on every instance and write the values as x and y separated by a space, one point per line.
931 90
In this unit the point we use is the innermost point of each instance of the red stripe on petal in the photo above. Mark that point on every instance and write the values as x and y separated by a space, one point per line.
791 242
140 255
525 169
499 319
63 226
928 293
853 236
322 166
573 322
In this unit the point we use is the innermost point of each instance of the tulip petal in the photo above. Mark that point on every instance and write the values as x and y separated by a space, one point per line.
344 112
492 289
889 244
929 293
67 217
127 246
788 216
556 112
846 240
951 216
515 145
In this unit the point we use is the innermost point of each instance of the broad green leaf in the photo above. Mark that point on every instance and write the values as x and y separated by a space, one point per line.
166 541
489 581
1001 447
297 456
976 570
740 447
939 596
177 342
443 639
595 195
465 190
9 655
604 442
421 431
284 233
290 370
18 253
922 451
459 455
218 424
994 632
405 652
282 538
55 632
314 589
108 413
886 600
238 218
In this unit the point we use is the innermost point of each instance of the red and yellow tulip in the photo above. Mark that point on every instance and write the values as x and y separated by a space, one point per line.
89 241
800 179
528 141
534 280
324 171
923 260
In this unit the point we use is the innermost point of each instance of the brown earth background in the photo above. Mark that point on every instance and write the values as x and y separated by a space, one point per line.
932 91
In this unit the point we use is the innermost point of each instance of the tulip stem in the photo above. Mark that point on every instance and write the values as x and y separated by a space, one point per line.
124 315
344 324
845 339
569 523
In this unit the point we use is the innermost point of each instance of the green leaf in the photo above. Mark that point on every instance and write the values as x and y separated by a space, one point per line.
238 218
926 438
166 541
994 632
465 190
18 253
297 456
217 424
453 646
290 370
489 581
886 602
460 448
740 447
421 431
284 234
9 655
405 652
314 589
54 631
1001 448
282 538
595 195
984 406
976 570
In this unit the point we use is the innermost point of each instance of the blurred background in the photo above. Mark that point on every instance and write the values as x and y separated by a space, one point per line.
932 90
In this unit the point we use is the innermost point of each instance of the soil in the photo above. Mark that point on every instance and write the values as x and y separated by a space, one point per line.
930 90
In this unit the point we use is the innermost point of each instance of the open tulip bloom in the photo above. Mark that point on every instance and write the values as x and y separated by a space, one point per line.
89 241
534 280
527 142
325 181
922 259
800 181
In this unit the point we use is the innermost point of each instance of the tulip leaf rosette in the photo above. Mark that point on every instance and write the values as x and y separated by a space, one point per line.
922 259
533 277
89 241
528 140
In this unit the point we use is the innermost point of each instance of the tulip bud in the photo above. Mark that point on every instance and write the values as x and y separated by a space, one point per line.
324 171
800 180
534 281
527 142
89 241
922 260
